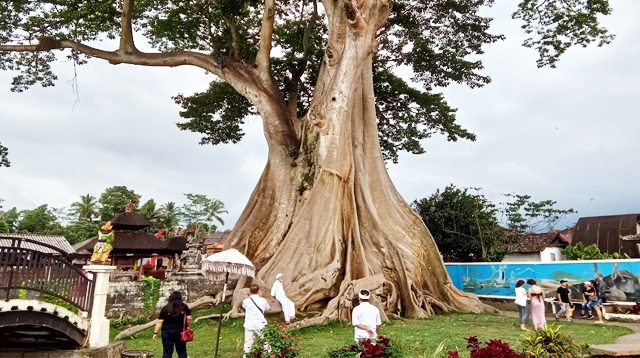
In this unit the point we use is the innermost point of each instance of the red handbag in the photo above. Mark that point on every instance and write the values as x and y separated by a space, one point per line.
187 335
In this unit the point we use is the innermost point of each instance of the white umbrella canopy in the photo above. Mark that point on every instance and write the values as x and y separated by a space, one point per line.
228 261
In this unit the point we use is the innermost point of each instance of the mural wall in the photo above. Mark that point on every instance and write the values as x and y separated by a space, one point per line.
499 278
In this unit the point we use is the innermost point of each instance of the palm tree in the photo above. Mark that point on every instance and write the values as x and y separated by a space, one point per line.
86 208
202 211
169 214
213 209
149 211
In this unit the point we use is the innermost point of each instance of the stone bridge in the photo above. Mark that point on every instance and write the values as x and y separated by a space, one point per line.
45 301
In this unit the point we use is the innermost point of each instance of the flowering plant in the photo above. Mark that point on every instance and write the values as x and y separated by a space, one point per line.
275 343
494 348
379 348
635 309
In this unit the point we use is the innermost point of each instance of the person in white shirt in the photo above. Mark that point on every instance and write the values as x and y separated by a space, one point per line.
365 318
277 292
254 321
521 303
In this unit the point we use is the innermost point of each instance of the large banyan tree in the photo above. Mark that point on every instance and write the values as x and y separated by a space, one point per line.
330 81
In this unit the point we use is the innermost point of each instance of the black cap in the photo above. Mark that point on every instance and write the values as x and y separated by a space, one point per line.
563 281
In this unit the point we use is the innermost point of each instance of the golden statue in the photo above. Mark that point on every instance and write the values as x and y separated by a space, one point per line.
103 247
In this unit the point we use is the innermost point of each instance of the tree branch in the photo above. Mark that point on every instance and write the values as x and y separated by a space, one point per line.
266 37
235 38
126 35
307 30
168 59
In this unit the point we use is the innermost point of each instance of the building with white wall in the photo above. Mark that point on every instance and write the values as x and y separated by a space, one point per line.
545 247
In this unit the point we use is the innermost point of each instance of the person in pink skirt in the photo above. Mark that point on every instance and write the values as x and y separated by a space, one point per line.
536 294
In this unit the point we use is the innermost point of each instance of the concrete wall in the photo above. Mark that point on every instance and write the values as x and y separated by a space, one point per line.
533 257
550 254
127 298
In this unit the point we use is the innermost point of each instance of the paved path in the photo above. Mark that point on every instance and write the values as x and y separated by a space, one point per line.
625 346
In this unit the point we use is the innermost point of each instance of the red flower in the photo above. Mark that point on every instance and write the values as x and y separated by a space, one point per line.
384 340
371 350
472 342
453 354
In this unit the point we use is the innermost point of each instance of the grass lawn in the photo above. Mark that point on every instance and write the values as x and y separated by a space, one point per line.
417 338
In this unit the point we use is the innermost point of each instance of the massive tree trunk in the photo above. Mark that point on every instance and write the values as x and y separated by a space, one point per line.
328 215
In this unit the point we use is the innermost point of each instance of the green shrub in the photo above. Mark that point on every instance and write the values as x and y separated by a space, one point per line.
54 300
150 294
590 252
551 342
23 294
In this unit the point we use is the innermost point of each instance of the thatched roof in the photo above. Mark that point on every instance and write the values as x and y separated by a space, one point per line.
129 220
529 243
178 243
607 232
136 243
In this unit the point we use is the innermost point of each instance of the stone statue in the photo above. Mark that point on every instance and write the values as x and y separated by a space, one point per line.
103 247
177 264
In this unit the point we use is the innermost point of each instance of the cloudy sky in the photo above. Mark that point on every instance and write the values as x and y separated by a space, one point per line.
570 134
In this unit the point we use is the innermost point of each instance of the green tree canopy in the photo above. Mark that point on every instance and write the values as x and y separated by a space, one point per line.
113 200
521 214
4 156
41 220
81 230
462 223
467 226
9 220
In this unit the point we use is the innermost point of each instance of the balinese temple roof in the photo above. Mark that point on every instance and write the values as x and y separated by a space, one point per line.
129 220
178 243
137 243
132 240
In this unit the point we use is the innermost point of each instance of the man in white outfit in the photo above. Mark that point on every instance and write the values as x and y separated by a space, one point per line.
254 307
365 318
288 307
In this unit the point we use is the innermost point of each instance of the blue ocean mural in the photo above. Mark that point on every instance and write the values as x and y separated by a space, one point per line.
499 278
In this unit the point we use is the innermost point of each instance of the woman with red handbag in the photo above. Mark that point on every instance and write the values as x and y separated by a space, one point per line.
174 323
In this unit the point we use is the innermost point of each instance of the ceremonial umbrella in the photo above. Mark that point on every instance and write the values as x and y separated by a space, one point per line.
227 261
